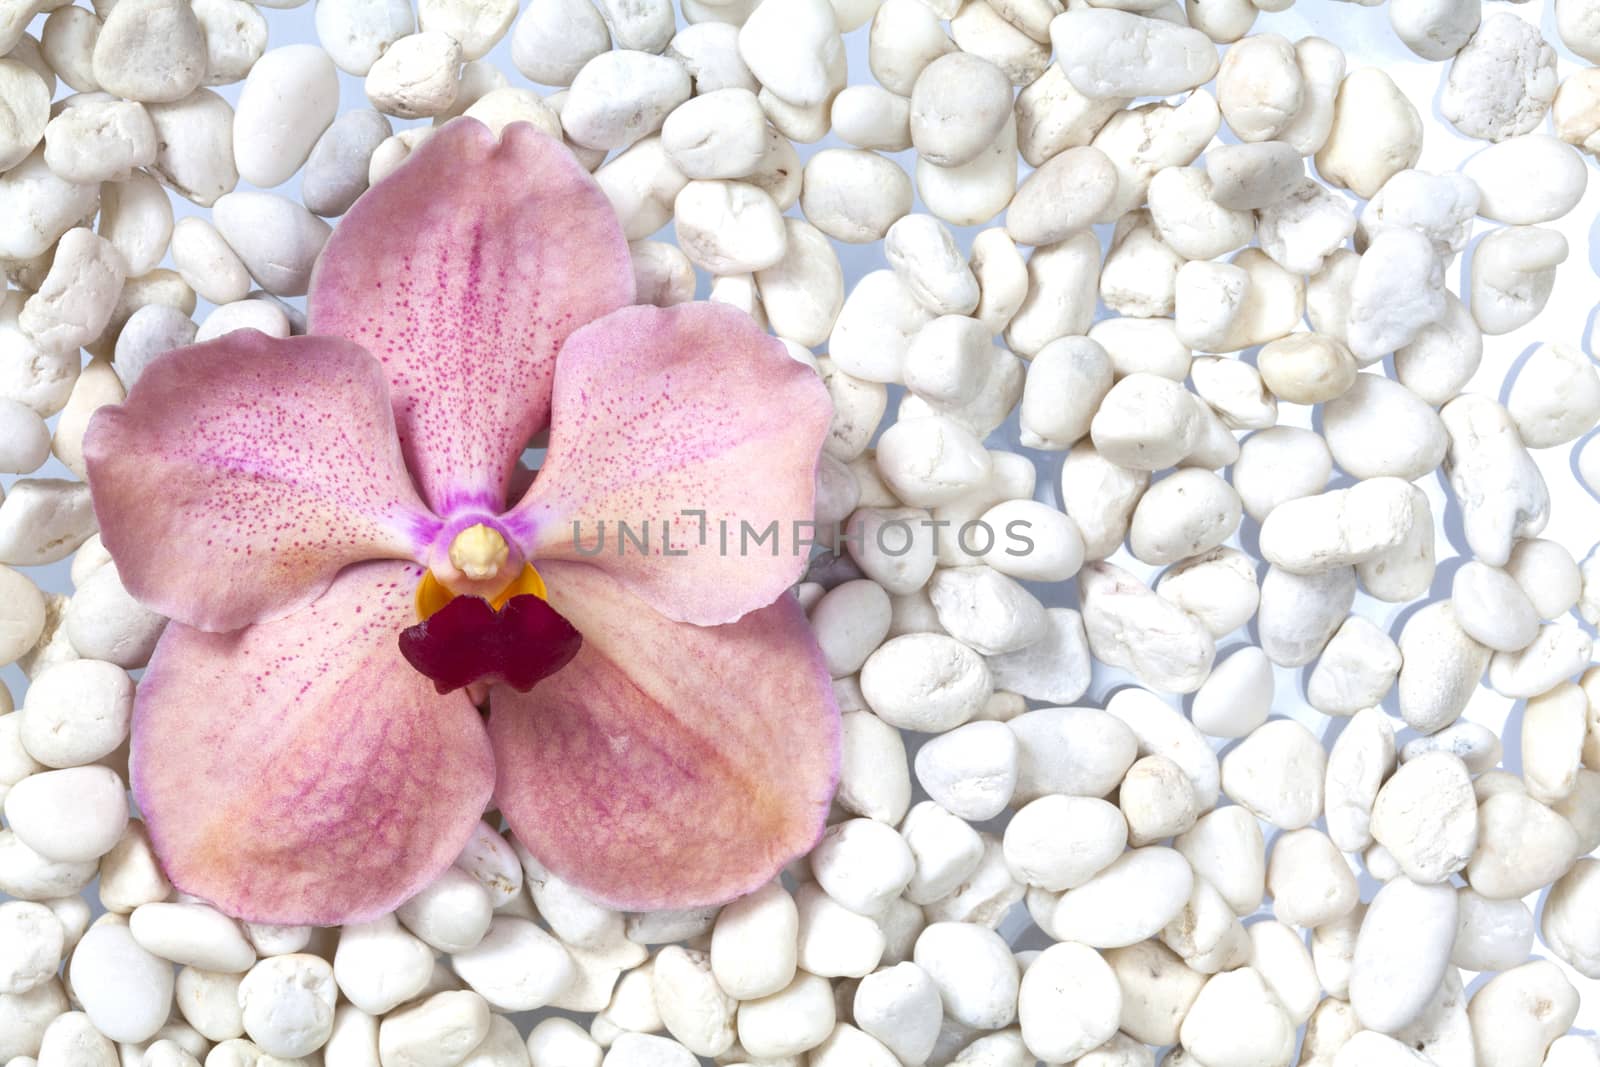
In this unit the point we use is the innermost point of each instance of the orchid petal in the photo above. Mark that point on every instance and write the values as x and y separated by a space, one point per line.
692 420
299 771
463 272
668 765
242 474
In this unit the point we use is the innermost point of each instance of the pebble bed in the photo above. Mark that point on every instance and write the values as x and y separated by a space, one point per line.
1281 744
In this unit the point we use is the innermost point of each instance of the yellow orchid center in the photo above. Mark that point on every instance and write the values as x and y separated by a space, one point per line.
433 595
479 552
477 562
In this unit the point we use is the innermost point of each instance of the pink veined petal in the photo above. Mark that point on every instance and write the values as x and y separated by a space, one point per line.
242 474
463 272
692 425
299 771
668 765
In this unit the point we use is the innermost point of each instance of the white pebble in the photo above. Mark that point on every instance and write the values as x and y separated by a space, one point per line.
1513 272
1128 625
1068 1003
693 1008
24 445
621 96
974 971
863 864
1502 82
833 941
972 770
958 105
1402 952
277 239
100 140
78 296
71 1038
416 76
1555 397
70 815
516 966
1518 1013
946 850
1238 1020
436 1032
287 1004
379 966
1500 490
288 100
1492 608
853 195
151 50
1427 817
1492 935
1128 901
31 948
125 990
874 779
1106 52
926 682
728 227
195 153
336 172
1375 133
192 935
786 1023
753 944
1528 179
209 1002
900 1006
76 713
1060 842
558 1042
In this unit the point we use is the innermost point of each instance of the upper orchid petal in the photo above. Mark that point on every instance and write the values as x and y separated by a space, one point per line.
693 427
463 272
668 765
242 474
299 771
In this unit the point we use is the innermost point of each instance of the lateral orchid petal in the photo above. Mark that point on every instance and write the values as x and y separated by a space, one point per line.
243 474
668 765
463 272
299 771
688 422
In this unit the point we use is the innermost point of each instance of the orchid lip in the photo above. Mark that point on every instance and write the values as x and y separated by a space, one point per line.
469 641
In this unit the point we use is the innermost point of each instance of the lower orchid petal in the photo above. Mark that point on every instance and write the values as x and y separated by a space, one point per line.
696 430
668 765
242 474
299 771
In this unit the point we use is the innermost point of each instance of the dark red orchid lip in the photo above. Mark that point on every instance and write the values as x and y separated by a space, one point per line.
468 641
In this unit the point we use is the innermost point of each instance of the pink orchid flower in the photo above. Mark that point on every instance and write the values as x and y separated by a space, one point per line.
296 506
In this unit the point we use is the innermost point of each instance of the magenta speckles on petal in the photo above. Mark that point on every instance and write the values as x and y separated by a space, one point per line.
299 771
665 416
463 272
668 765
469 641
244 473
